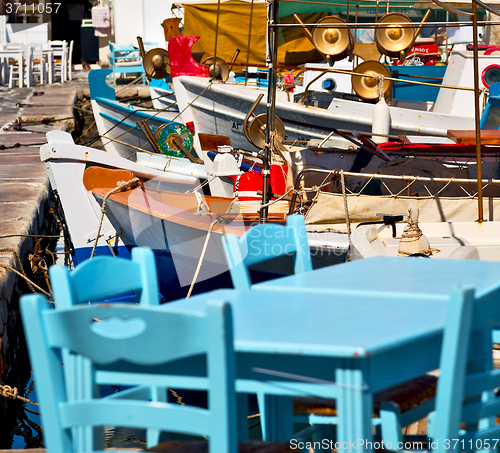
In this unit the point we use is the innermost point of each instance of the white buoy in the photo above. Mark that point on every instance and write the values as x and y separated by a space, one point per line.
381 122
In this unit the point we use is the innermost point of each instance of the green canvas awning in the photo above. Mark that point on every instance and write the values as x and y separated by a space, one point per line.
288 7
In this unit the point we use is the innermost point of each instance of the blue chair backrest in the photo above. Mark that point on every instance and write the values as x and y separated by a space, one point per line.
104 277
111 52
149 340
264 242
466 404
95 280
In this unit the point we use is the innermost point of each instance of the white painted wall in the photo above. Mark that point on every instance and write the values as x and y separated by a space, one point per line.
155 12
129 21
140 18
27 33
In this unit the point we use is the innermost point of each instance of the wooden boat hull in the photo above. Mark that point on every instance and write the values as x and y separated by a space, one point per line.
177 252
189 244
118 121
222 108
66 164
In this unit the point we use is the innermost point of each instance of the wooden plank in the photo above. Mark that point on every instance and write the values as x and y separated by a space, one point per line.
209 142
469 137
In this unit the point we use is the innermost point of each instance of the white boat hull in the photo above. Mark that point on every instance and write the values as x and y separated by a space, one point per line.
221 109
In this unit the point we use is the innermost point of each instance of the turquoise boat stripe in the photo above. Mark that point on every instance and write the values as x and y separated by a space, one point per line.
116 120
128 110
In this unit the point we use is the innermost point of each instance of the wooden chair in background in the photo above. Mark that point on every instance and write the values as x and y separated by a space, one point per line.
21 69
125 60
60 53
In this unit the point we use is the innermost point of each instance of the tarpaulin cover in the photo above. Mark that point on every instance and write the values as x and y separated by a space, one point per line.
234 26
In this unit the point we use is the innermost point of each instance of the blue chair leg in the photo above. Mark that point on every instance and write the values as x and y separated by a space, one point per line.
272 409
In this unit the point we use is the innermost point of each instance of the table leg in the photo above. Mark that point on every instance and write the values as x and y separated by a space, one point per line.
51 67
20 59
354 432
242 404
276 417
4 70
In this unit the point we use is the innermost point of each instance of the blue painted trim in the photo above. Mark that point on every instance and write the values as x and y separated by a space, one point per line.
116 120
123 108
161 83
98 86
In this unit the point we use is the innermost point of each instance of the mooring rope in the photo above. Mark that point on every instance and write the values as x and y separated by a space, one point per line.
198 267
11 392
121 186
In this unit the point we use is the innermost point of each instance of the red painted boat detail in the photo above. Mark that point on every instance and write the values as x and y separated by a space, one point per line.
181 59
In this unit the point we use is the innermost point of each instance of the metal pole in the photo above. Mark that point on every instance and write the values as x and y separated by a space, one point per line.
249 40
477 115
272 56
214 65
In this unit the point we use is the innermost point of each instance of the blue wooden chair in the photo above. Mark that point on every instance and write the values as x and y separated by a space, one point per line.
104 277
409 402
141 342
111 279
264 242
125 60
467 399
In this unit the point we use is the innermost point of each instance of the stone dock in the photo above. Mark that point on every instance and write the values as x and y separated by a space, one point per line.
28 226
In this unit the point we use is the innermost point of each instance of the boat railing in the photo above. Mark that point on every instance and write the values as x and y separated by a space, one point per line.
351 184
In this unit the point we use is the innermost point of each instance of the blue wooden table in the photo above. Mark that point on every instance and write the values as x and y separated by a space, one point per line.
333 346
400 275
344 332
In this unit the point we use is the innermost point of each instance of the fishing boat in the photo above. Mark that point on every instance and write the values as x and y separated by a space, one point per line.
152 137
117 122
213 106
166 212
66 163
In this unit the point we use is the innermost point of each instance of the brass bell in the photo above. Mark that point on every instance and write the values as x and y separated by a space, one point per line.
218 68
257 130
334 40
394 33
156 63
366 85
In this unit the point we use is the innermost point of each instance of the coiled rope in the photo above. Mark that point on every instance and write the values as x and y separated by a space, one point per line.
11 392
